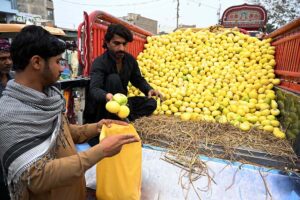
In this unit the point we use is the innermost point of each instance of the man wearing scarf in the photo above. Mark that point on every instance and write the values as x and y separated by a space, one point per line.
38 155
5 76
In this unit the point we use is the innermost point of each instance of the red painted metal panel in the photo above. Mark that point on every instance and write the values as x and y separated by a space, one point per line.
296 63
86 47
289 52
98 35
298 57
99 47
287 56
294 87
293 25
279 55
108 19
79 32
287 73
293 61
95 41
249 17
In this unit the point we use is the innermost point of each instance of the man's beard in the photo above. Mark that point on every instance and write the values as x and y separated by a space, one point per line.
5 70
119 54
49 76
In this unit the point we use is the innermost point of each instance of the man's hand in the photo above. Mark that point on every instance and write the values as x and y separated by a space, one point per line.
108 123
156 93
112 145
109 96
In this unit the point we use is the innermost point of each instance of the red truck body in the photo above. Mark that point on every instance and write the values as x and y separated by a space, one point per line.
287 55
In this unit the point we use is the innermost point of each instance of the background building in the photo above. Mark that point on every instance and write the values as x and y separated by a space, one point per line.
186 26
27 12
42 8
8 9
143 22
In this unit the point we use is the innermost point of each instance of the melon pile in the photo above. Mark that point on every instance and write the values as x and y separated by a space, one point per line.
223 76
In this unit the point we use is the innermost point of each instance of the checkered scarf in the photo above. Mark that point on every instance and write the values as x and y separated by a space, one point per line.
30 123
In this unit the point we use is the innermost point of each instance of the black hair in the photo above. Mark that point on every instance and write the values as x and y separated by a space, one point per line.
34 40
119 30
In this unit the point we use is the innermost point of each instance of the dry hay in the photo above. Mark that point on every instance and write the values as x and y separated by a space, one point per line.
185 137
183 140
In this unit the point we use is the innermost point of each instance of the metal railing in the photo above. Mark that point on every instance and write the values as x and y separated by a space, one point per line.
287 55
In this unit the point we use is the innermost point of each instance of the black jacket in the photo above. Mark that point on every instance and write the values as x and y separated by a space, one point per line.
105 65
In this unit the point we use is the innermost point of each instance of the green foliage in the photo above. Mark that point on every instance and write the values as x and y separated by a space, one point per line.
270 28
279 12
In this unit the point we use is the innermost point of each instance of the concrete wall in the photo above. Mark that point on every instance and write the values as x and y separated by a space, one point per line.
143 22
5 6
40 7
7 10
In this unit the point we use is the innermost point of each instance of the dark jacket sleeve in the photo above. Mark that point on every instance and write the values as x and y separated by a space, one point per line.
138 81
97 81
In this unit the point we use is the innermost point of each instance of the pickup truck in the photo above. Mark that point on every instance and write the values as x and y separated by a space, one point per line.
286 41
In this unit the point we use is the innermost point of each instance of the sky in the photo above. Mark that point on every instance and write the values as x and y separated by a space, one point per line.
69 13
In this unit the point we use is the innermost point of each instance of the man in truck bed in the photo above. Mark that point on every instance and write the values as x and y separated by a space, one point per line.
111 73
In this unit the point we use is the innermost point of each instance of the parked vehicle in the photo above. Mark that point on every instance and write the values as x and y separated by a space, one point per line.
286 41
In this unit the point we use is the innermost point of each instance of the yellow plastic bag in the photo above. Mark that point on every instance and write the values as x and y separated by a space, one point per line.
119 177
